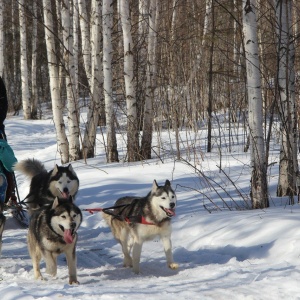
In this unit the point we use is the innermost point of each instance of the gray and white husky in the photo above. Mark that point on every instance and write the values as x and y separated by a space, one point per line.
134 220
52 231
61 182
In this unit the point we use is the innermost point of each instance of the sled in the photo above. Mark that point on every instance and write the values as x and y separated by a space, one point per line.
9 195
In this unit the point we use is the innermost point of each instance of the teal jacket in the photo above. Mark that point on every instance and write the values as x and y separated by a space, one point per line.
7 156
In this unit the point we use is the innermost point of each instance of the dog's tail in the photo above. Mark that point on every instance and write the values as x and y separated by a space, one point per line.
30 167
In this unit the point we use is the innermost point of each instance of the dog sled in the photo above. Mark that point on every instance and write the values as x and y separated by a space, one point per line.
9 196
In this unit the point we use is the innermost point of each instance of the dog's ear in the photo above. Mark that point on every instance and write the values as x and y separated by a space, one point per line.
167 183
55 203
70 168
154 186
55 170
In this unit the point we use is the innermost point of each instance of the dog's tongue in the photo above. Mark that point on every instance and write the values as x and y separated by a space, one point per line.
170 212
65 195
68 236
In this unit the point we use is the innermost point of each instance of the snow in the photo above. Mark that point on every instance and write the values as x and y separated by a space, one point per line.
226 253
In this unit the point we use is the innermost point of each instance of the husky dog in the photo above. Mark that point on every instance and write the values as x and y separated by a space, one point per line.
52 231
60 182
134 220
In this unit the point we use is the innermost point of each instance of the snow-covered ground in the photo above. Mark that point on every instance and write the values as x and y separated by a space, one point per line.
225 253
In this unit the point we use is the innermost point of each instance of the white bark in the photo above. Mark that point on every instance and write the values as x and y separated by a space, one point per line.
150 82
132 130
85 39
95 82
107 19
259 191
34 89
23 62
288 166
57 106
68 54
76 43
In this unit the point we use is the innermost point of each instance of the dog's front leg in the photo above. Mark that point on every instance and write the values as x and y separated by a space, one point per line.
36 259
167 244
51 264
136 256
72 265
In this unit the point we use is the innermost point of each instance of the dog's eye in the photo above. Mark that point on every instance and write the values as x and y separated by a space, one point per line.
163 198
64 217
69 181
74 216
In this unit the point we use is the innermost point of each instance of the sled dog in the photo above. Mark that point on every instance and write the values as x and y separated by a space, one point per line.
60 182
52 231
134 220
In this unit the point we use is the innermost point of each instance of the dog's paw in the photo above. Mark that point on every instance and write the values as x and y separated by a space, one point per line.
127 263
40 278
73 282
173 266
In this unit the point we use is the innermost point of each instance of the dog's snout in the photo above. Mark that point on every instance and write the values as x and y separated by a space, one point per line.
66 190
172 205
73 225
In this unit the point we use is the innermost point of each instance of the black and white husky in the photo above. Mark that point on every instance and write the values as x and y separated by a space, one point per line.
52 231
45 186
134 220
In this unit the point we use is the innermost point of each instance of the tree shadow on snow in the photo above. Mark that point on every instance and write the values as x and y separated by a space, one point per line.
221 255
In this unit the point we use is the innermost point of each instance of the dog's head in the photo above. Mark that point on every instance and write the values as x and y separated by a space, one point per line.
164 199
65 219
64 182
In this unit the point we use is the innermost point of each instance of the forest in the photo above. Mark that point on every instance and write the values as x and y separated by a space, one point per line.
171 65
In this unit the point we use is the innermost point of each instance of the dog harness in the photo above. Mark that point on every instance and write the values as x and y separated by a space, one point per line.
129 219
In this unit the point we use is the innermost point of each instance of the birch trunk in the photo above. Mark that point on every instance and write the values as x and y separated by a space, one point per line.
23 62
288 165
68 55
259 187
76 44
107 19
95 83
141 65
132 130
150 79
174 105
34 89
85 39
57 106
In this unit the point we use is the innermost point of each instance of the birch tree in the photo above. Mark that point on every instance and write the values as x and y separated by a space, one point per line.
141 53
150 81
57 106
95 82
85 39
69 64
288 165
24 64
107 19
259 187
34 89
130 91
